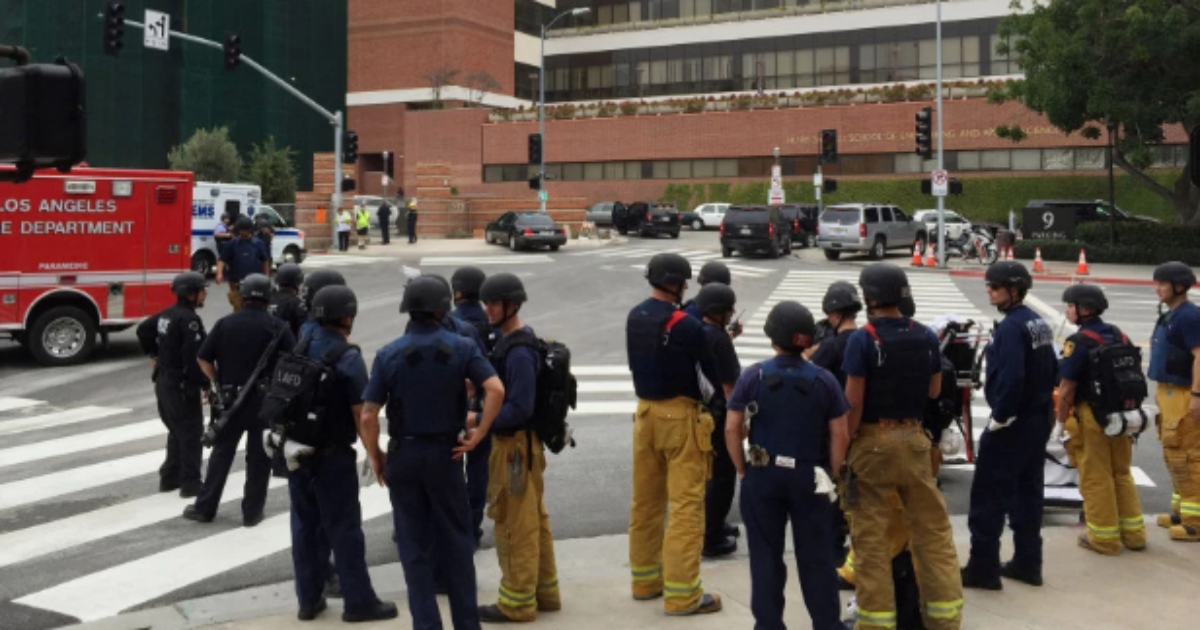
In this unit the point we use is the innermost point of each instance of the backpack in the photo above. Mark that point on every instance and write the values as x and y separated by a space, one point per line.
555 391
1116 382
298 392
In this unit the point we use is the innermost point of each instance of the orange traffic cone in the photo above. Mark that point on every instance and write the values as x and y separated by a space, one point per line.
931 256
916 259
1009 255
1038 267
1082 268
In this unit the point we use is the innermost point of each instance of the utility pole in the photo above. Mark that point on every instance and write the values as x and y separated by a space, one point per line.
941 146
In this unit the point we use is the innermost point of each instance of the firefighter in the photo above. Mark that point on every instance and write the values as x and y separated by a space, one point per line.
229 356
524 541
465 283
171 340
1009 469
672 443
419 378
893 367
243 256
1110 499
324 490
1175 366
285 298
798 436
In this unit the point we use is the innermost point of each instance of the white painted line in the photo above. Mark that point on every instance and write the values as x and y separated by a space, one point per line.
1140 478
111 591
81 442
451 261
751 340
755 352
58 419
35 489
39 540
625 252
9 403
606 386
704 257
600 370
696 252
604 408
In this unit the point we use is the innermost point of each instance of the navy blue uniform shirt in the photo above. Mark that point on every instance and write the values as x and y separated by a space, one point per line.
862 357
686 348
237 341
1180 329
1021 367
520 387
728 367
747 386
242 258
471 312
389 362
350 379
831 353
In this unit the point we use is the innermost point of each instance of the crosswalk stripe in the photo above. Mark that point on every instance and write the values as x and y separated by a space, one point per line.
81 442
755 352
704 257
605 386
8 403
35 489
516 259
600 370
39 540
58 419
604 407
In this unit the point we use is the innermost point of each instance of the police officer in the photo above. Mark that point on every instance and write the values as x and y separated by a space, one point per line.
1110 500
324 489
466 283
841 306
798 426
265 233
1175 366
243 256
229 357
712 271
892 368
313 283
384 214
285 298
410 221
1009 472
171 339
715 303
524 541
420 379
672 443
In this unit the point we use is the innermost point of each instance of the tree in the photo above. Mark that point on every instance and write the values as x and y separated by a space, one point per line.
480 83
1119 66
210 154
273 170
437 79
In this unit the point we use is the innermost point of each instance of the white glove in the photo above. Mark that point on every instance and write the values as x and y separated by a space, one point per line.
294 452
996 425
825 485
1057 434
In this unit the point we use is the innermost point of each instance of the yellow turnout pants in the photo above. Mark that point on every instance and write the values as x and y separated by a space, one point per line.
1180 436
1110 500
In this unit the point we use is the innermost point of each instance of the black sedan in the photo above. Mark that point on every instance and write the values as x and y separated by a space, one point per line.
522 230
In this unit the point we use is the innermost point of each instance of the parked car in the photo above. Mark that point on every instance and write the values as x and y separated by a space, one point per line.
705 215
522 230
373 202
867 227
602 213
803 218
954 222
749 229
1094 210
646 219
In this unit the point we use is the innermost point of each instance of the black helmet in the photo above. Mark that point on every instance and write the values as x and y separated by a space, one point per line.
503 287
714 271
289 275
884 283
334 302
243 223
1177 273
790 326
840 296
1009 273
1086 295
255 287
467 280
908 307
426 294
318 280
715 298
668 270
187 283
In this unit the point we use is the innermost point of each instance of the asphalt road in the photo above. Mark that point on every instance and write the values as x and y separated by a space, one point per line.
84 535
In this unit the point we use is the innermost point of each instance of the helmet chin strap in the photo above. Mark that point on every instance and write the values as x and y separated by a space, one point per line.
507 316
678 295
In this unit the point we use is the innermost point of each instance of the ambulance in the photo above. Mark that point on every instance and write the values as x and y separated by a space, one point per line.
211 200
89 253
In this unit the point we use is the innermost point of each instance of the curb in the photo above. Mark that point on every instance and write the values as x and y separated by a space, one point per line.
1070 278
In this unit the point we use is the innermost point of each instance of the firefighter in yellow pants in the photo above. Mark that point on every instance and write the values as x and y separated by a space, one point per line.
672 443
1175 366
893 366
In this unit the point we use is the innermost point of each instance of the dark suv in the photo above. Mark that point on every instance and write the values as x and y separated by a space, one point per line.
755 229
646 219
803 219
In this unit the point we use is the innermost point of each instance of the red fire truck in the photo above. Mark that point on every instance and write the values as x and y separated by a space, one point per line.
88 253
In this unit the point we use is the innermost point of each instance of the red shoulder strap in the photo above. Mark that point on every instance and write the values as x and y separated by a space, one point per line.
1093 335
676 317
870 328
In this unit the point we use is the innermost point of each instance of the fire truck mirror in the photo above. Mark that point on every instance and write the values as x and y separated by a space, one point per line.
44 123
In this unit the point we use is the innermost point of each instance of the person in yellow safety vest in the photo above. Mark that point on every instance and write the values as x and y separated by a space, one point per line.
1110 498
893 366
362 221
1175 366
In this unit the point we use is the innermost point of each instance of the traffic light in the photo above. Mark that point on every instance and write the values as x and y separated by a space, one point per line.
114 28
535 182
44 121
925 133
829 151
954 187
535 148
829 185
349 147
233 52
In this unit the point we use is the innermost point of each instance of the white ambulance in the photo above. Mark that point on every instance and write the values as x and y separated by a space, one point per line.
210 201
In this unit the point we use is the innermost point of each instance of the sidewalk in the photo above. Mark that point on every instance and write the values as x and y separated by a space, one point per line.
400 247
1083 590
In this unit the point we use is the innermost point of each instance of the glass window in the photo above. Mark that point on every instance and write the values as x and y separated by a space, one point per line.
661 169
593 171
604 14
658 72
727 168
633 170
1090 159
872 215
703 168
1058 159
703 8
614 170
885 213
951 50
968 160
493 173
1027 159
866 57
785 63
621 13
635 10
970 49
994 160
907 163
572 172
681 169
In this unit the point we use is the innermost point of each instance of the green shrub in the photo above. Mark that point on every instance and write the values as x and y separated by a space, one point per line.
1144 235
1068 251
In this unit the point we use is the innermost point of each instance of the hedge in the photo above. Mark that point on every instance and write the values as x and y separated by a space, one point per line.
983 198
1068 251
1151 236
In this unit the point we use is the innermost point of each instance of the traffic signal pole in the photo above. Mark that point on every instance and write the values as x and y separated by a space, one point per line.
941 144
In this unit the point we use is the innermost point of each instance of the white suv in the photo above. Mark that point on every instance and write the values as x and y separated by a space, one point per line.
955 223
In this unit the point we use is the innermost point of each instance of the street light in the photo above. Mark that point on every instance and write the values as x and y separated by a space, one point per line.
542 103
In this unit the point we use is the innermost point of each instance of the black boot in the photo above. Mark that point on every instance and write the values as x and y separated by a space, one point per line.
1012 571
378 612
492 614
972 578
308 614
192 514
718 548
